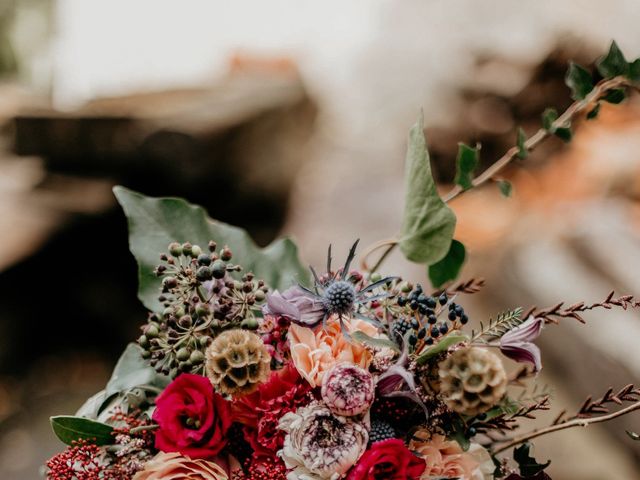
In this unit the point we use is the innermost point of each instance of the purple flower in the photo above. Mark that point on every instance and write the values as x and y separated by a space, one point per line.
296 305
518 345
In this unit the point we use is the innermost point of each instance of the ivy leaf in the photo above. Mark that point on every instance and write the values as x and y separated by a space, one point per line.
70 429
528 465
633 435
522 149
634 70
443 345
156 222
549 116
449 267
579 81
466 163
614 63
428 223
505 187
132 371
594 112
615 96
563 133
362 337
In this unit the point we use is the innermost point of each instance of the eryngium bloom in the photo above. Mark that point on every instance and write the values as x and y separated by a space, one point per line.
320 445
348 390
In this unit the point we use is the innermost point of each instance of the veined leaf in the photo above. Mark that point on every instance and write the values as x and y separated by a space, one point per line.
428 223
70 429
449 267
466 163
579 81
362 337
442 346
156 222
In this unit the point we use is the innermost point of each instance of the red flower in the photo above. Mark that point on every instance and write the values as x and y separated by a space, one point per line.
261 411
388 460
193 419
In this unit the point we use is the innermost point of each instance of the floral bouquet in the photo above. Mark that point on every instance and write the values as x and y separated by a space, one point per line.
251 366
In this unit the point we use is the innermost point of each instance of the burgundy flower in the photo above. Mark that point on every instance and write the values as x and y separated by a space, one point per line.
388 460
193 419
261 411
518 345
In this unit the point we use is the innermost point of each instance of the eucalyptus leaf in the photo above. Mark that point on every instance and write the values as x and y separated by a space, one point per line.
466 164
156 222
613 63
442 346
579 80
505 188
449 267
362 337
522 149
70 429
428 223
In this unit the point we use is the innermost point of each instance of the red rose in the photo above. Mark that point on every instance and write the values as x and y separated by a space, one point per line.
388 460
261 411
193 419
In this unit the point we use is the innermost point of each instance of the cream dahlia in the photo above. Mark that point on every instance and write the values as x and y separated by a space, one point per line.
320 445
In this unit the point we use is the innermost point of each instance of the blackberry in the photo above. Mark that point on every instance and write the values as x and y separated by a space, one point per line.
340 296
380 431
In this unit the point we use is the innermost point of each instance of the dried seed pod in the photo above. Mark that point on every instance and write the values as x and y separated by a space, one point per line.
237 362
473 380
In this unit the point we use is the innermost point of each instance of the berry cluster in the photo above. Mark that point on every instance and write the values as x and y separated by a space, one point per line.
201 299
427 317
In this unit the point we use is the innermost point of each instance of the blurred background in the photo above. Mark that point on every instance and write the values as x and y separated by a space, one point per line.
290 117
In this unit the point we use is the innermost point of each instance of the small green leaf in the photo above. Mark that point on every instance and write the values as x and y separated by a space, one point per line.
156 222
549 116
522 149
466 163
428 223
634 70
443 345
449 267
579 81
594 112
362 337
505 187
633 435
70 429
614 63
528 465
563 133
459 433
615 96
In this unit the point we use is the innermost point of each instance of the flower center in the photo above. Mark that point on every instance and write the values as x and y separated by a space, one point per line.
192 423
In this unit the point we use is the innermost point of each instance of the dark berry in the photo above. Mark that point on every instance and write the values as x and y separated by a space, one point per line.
452 315
459 310
400 327
429 341
432 319
443 298
414 323
452 306
422 333
444 328
413 339
423 309
464 319
422 298
435 332
431 302
472 431
402 301
414 304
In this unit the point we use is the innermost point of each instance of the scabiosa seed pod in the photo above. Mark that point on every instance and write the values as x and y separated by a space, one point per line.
348 390
319 444
237 362
473 380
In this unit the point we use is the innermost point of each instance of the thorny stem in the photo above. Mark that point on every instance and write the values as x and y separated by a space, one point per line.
577 107
578 422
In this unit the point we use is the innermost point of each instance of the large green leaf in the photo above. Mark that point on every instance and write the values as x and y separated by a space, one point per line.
578 79
70 429
428 223
613 63
156 222
133 371
449 267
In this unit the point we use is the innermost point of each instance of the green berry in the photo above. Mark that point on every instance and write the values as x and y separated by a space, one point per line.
196 357
183 354
218 269
175 249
